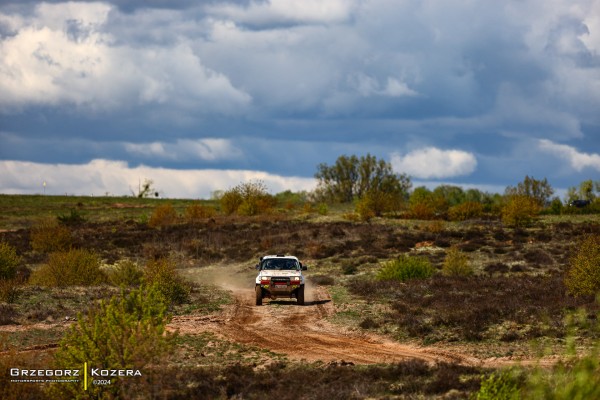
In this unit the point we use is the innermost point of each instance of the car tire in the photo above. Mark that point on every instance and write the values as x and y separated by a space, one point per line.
259 296
300 295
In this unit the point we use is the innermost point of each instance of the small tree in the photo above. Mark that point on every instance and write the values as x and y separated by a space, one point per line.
540 190
125 332
196 212
50 236
352 178
9 261
466 210
520 210
583 276
456 263
163 215
162 273
145 190
249 198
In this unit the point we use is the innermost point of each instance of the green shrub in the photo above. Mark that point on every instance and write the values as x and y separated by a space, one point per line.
197 212
249 198
580 381
465 211
73 218
583 276
556 207
322 209
364 209
125 332
9 261
520 210
375 202
404 268
231 201
75 267
163 215
49 236
126 273
9 290
162 273
456 263
578 377
500 385
421 211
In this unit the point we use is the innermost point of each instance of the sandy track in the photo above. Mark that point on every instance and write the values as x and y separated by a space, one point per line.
302 332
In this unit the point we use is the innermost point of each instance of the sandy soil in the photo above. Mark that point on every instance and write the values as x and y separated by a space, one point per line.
303 333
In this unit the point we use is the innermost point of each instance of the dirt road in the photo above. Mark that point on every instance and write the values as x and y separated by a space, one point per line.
302 332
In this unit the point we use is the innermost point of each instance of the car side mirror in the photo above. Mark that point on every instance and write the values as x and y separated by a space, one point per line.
304 268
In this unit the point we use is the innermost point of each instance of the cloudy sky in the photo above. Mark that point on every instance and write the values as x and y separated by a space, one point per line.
202 95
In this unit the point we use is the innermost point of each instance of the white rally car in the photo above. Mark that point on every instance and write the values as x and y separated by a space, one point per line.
280 276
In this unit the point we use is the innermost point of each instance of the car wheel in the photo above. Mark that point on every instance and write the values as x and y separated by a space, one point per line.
300 295
259 296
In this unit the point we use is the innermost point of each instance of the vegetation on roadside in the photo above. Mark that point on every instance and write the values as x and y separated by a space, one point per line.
583 276
74 267
404 268
124 333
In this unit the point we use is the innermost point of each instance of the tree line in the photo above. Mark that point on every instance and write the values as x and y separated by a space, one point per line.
371 185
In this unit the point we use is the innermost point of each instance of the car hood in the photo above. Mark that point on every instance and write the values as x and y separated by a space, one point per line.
279 273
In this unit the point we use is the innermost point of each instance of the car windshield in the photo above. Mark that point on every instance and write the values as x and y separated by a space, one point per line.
280 264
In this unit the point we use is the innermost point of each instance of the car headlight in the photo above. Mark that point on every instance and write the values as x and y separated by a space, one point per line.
295 278
264 279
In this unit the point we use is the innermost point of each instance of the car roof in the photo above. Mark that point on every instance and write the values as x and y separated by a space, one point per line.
279 256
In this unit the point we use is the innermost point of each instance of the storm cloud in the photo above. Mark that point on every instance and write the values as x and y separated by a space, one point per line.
487 92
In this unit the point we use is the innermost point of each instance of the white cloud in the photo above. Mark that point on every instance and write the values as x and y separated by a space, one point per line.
431 162
99 177
278 11
367 86
576 159
64 55
210 149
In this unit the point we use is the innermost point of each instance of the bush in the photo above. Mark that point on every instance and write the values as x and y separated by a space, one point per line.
583 276
421 211
466 210
162 273
231 201
375 203
9 290
456 263
322 209
125 332
250 198
499 386
73 218
196 212
163 215
520 211
364 209
126 274
9 260
578 377
49 236
75 267
404 268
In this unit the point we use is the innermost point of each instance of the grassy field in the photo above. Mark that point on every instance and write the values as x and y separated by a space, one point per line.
514 305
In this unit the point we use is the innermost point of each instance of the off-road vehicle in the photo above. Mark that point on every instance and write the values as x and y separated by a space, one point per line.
280 276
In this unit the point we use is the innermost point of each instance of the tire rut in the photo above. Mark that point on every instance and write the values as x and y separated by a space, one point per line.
303 333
